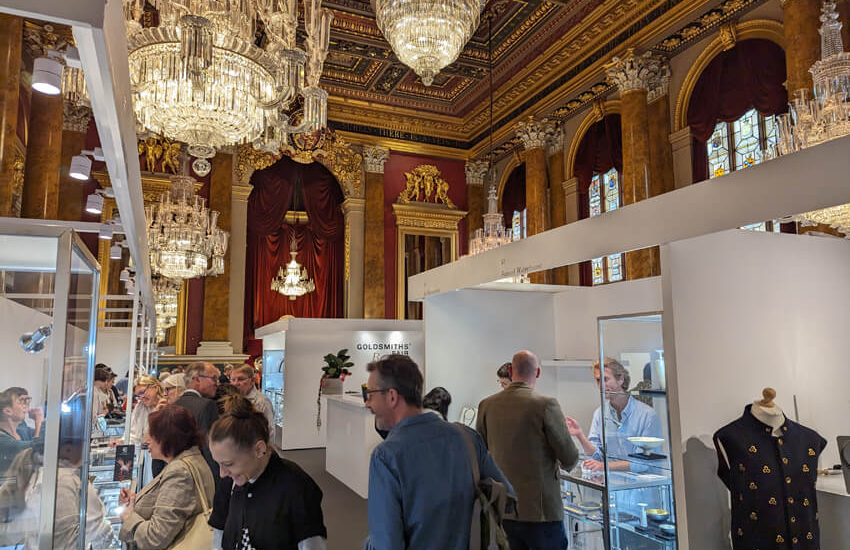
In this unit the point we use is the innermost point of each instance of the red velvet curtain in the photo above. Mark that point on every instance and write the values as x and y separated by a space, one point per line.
600 149
321 248
513 195
749 75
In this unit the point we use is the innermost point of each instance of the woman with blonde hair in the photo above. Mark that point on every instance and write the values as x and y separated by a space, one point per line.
174 386
150 397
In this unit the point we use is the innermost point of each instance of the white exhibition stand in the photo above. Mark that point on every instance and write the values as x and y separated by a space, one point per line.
741 310
351 437
305 342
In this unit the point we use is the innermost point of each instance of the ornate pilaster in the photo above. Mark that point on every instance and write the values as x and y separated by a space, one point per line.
557 205
354 210
571 208
217 289
534 135
634 74
238 245
659 85
374 276
11 28
476 175
75 123
374 158
75 118
800 22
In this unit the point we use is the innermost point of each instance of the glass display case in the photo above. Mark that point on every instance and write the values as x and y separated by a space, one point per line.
102 477
273 365
620 496
48 312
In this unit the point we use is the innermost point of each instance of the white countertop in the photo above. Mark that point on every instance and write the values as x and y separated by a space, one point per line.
832 484
351 401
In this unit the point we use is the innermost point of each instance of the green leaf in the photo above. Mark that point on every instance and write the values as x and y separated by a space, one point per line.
347 365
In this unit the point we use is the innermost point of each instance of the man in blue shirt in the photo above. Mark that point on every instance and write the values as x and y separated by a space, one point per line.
421 490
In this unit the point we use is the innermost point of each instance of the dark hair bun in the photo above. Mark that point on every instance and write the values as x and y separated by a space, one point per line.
237 406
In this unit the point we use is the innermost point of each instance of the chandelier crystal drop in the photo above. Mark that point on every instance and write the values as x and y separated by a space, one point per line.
184 239
428 35
294 282
199 78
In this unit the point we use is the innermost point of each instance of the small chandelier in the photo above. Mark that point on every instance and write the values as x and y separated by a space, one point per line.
428 35
199 78
184 239
165 292
294 282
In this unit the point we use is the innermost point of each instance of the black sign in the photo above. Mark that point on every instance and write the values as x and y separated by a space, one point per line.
125 455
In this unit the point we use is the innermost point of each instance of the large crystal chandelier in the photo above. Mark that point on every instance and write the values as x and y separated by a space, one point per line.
294 282
184 239
166 293
428 35
811 121
493 234
199 78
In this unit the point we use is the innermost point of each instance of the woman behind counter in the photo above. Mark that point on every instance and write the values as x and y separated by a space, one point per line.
160 513
274 503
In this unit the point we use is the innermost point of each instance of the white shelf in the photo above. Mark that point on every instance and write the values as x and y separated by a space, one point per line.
567 363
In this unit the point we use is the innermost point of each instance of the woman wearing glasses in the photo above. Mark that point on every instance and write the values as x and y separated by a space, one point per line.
150 397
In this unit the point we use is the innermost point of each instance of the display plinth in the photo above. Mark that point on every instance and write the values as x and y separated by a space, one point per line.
351 439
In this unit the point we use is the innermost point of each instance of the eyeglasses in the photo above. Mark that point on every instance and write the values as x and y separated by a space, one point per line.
237 380
367 394
208 376
24 400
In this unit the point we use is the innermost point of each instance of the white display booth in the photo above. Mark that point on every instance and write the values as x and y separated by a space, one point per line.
742 310
305 342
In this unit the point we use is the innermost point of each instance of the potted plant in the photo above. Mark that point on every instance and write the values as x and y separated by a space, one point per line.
335 370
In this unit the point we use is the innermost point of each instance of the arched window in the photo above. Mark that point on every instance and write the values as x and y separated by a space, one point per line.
604 196
740 144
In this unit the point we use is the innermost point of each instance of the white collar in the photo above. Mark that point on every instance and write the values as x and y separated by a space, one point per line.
193 391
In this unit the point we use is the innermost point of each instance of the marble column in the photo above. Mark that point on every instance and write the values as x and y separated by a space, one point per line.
557 204
374 284
682 150
634 74
72 194
355 229
44 158
11 36
534 134
571 214
217 289
660 150
800 22
476 173
238 244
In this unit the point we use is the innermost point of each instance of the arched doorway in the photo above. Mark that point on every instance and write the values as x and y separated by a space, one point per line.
513 201
290 199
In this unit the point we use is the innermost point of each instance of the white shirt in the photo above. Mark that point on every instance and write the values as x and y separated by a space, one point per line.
264 405
138 424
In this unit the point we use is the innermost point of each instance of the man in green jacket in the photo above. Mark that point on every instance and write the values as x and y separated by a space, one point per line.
526 434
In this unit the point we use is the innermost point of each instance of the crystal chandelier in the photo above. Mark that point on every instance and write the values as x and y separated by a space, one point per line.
428 35
165 292
184 239
199 78
294 282
811 121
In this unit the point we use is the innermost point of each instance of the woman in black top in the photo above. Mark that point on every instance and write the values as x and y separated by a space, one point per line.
274 505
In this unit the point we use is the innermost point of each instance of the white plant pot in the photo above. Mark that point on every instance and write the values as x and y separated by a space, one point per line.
333 386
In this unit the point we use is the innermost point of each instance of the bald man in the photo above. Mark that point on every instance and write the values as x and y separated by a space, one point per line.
526 434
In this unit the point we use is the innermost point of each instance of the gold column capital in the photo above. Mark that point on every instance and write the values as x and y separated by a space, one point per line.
534 133
374 158
659 85
75 118
634 72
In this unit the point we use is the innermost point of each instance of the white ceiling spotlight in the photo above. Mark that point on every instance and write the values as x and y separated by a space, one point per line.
94 202
124 276
47 73
81 164
106 232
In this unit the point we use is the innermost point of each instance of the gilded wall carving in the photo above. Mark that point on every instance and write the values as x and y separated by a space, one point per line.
425 180
155 149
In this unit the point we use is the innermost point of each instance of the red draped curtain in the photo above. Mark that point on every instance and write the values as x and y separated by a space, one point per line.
749 75
513 195
320 242
601 149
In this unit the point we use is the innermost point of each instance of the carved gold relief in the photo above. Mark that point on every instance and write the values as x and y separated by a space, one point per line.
17 184
347 251
156 148
425 180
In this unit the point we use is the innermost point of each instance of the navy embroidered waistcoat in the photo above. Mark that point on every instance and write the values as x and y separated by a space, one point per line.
772 483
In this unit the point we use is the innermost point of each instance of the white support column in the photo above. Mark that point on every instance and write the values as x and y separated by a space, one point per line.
682 161
355 235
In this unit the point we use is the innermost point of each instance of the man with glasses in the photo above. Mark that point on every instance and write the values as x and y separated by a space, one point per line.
201 382
15 434
421 490
242 378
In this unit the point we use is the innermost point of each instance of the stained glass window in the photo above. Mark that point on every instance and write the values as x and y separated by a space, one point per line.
740 144
595 196
604 196
598 271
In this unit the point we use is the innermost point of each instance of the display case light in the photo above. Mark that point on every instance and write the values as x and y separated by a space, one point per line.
115 252
94 204
47 74
106 232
